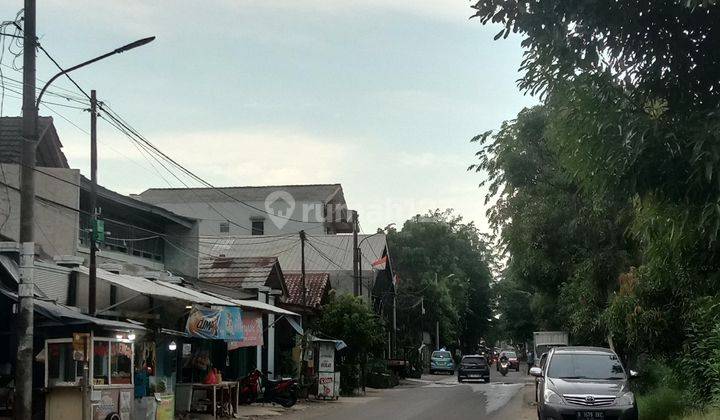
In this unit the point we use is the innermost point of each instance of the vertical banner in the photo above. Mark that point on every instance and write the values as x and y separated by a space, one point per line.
252 332
217 322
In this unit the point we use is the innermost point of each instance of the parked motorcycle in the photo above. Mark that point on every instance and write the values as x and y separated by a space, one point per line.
256 387
504 367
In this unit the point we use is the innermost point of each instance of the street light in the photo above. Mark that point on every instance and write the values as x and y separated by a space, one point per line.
120 50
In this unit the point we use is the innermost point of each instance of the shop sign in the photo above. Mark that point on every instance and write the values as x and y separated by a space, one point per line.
326 386
326 357
217 322
252 332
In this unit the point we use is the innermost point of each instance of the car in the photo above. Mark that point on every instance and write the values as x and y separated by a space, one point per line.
442 361
474 366
512 360
584 383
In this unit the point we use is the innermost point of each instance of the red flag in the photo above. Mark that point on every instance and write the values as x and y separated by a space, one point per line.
380 263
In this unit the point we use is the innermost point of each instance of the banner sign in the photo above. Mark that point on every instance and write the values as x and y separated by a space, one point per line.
252 331
217 322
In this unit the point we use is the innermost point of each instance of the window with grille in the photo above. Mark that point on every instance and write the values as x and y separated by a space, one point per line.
258 227
224 227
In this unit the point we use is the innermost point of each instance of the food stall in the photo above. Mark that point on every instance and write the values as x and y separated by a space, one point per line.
89 376
321 354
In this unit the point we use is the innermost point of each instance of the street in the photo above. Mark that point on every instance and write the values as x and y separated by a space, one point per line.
435 397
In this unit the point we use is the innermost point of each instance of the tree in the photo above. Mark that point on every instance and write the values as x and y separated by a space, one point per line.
443 266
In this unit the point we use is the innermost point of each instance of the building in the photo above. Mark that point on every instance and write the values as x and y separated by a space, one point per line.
266 210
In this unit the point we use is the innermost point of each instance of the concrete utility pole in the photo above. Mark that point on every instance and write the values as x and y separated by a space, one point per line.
24 359
302 268
357 284
92 282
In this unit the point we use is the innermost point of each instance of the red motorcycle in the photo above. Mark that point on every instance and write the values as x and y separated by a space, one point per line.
256 387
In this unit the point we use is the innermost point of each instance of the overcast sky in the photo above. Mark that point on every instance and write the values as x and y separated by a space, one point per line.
379 95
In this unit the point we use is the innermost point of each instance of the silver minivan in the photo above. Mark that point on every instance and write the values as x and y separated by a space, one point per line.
584 383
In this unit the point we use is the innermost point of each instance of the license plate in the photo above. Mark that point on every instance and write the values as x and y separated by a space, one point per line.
590 415
474 375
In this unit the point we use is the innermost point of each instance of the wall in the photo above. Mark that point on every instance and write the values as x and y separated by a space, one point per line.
240 214
181 250
56 228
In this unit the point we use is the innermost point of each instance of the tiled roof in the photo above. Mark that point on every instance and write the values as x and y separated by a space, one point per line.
241 272
316 284
49 150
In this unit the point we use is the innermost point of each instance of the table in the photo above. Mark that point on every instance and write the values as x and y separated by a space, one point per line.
229 385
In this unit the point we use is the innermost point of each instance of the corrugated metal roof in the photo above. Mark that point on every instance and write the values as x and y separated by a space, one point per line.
315 283
157 288
242 272
312 192
66 315
323 253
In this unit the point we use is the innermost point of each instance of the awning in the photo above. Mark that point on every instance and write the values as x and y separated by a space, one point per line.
164 289
339 344
64 315
157 288
255 304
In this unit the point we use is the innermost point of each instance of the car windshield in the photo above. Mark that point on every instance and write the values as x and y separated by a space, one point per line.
585 366
441 354
510 354
473 360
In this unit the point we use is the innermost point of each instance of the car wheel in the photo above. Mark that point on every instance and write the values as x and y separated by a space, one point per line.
432 372
460 379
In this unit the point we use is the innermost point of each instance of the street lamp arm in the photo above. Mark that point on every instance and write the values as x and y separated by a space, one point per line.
120 50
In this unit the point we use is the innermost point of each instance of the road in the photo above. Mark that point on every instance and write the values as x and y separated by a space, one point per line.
435 397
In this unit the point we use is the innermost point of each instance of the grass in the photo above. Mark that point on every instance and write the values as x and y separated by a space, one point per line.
661 404
713 414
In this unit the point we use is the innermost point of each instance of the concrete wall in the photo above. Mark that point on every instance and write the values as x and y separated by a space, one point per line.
181 250
242 215
56 228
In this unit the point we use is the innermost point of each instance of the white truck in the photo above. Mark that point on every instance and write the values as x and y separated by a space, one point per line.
543 341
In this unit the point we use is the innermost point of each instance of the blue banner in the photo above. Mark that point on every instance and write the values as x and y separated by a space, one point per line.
216 323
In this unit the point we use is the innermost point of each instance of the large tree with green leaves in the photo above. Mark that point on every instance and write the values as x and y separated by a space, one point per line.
444 268
631 97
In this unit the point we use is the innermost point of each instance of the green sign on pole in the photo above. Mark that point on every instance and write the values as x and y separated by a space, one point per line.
99 231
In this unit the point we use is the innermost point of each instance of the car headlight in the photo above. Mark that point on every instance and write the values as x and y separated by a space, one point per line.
625 399
552 397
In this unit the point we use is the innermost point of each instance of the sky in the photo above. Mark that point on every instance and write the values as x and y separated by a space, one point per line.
381 96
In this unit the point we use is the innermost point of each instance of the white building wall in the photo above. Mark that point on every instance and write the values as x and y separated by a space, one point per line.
211 216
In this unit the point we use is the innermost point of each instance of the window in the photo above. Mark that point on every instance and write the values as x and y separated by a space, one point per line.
258 227
101 356
121 363
62 369
473 360
585 366
112 362
224 227
441 354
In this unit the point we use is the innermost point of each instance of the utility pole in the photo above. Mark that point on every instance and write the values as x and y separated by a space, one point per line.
92 282
302 268
24 358
437 324
357 285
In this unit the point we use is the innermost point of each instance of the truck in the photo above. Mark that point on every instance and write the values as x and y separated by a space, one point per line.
543 341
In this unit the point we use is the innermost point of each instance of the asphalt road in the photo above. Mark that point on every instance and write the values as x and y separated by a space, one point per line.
435 397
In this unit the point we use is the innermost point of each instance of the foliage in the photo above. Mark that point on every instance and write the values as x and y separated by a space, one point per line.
608 194
661 404
444 268
350 319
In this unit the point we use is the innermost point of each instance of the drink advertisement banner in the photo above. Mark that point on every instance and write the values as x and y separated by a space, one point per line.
217 322
252 332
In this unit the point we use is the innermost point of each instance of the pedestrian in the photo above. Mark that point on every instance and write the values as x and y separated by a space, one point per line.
530 360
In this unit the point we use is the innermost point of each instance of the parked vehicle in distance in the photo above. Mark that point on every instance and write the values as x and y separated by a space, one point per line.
513 361
584 383
474 366
543 341
441 361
